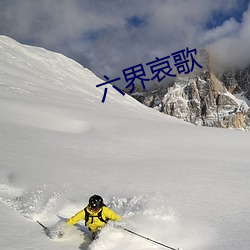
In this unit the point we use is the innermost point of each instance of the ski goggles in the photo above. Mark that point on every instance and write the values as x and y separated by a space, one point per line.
94 208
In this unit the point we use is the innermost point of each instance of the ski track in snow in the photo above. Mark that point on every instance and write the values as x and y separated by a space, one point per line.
43 117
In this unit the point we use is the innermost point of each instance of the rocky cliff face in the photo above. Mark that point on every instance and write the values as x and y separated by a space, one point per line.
237 81
203 98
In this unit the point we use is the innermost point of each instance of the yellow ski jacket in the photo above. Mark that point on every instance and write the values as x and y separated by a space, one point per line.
94 223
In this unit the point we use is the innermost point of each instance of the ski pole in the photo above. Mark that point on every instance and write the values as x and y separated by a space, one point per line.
146 238
45 228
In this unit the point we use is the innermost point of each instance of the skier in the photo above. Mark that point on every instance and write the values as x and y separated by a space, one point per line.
95 214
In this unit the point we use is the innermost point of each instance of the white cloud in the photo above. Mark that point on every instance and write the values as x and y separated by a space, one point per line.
97 32
233 49
229 27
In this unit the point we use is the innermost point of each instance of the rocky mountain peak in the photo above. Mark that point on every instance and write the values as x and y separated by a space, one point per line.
203 97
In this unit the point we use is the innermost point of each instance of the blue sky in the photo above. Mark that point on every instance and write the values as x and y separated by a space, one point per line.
218 17
109 36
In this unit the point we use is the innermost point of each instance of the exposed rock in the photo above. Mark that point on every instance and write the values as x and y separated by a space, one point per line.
237 81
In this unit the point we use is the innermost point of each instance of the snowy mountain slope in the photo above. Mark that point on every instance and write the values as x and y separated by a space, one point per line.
182 185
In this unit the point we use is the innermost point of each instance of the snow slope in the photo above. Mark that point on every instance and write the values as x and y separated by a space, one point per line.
176 183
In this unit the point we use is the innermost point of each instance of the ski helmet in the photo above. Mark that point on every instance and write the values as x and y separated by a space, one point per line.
95 202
